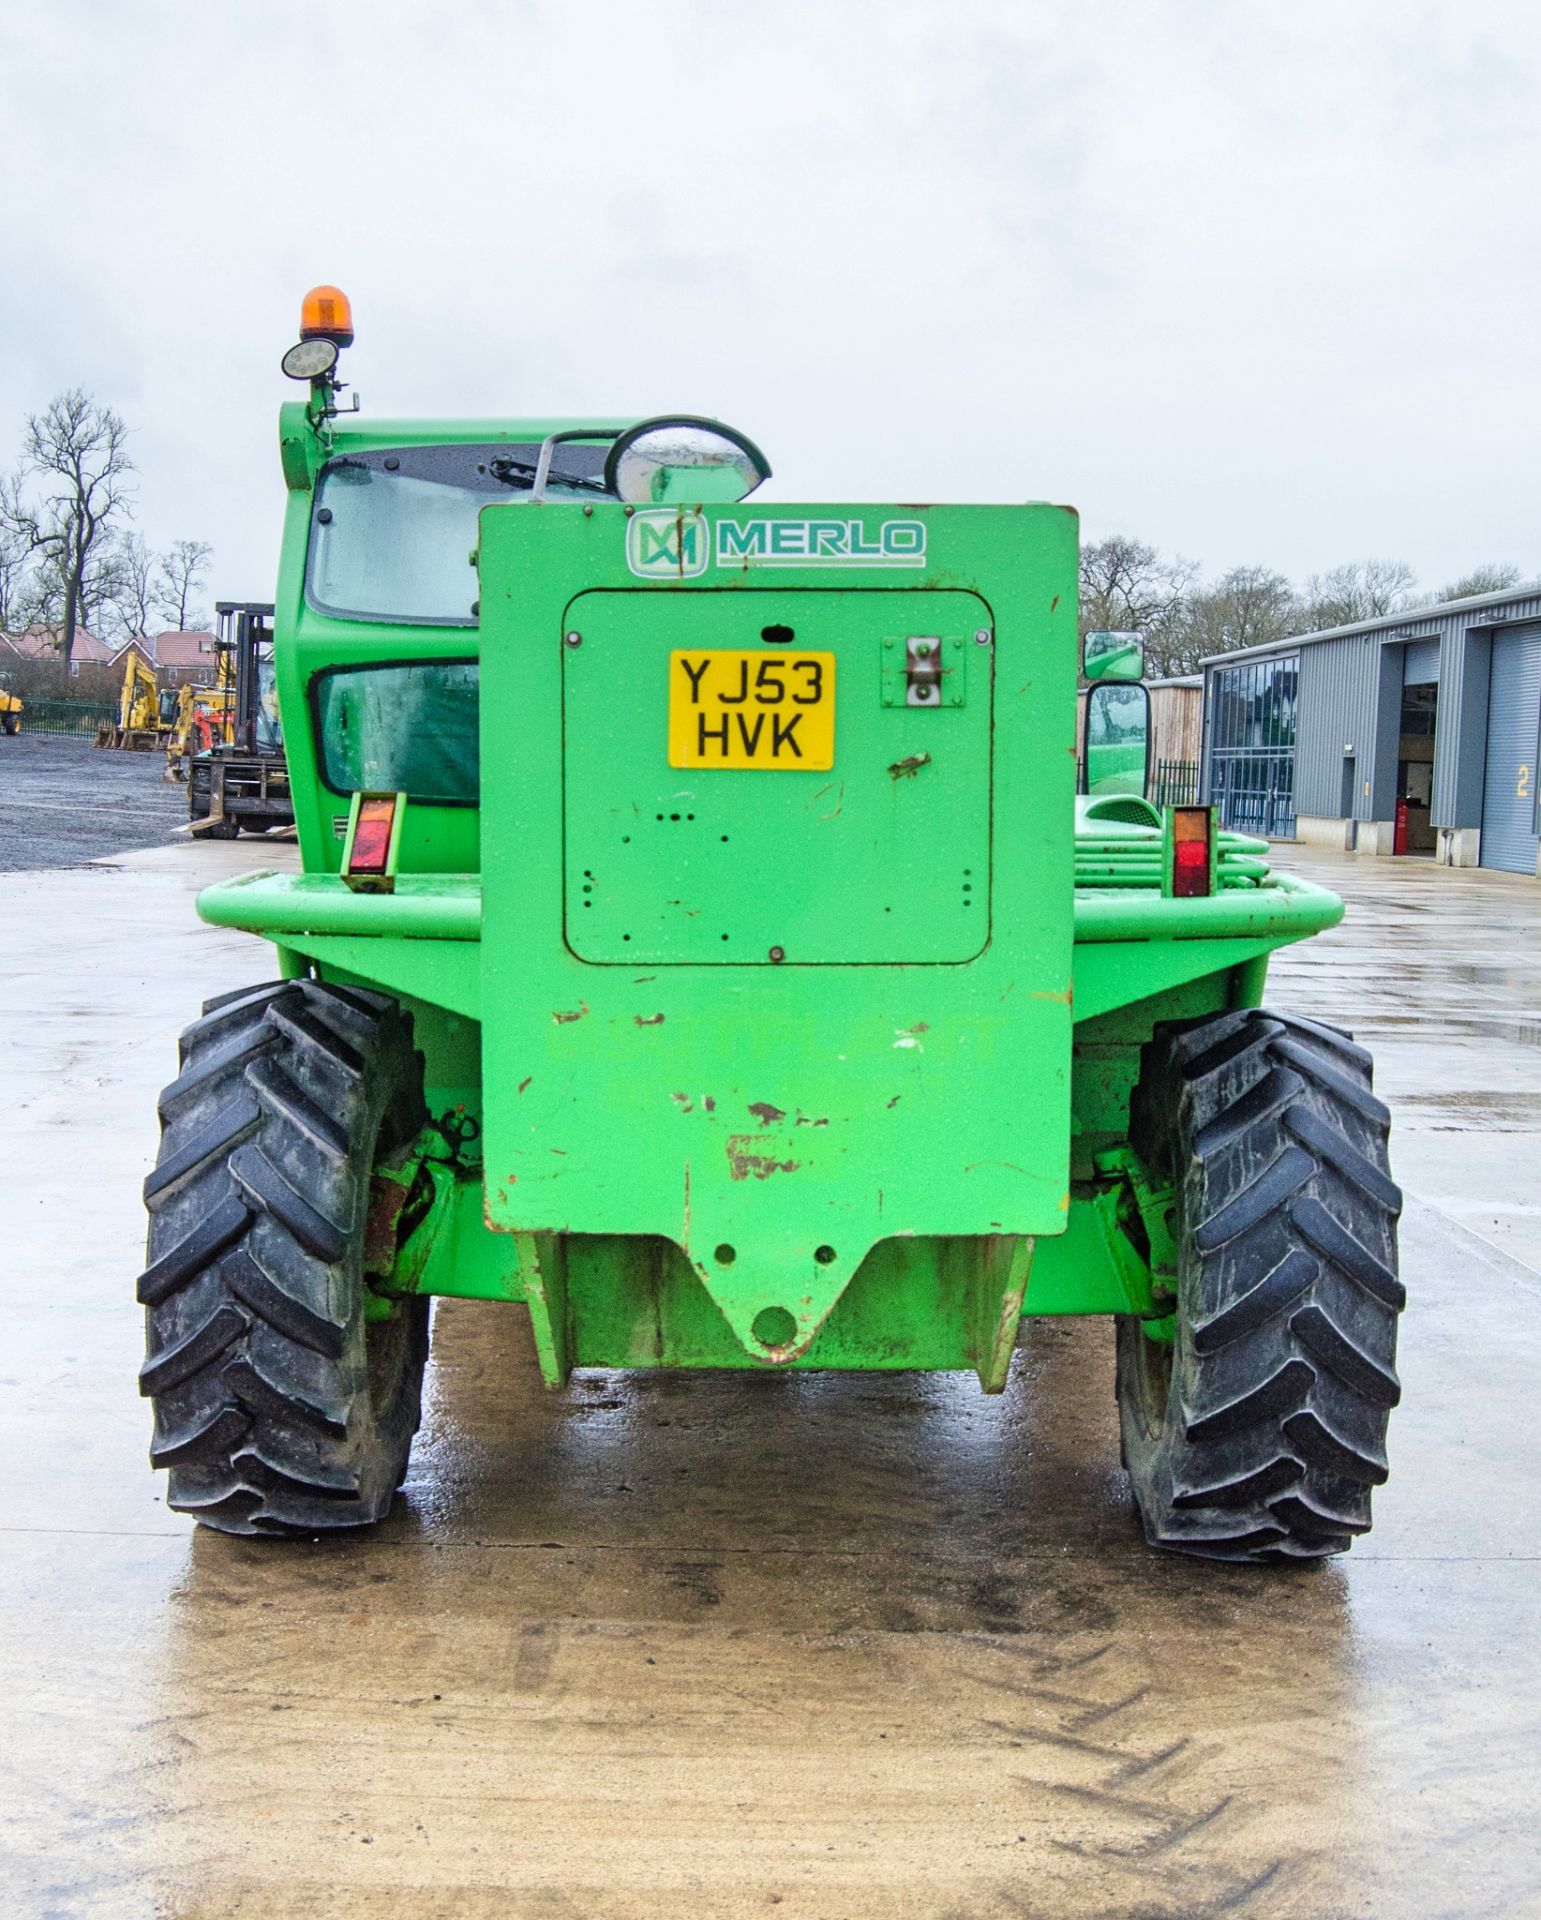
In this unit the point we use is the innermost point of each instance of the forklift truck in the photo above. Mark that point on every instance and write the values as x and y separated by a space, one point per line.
243 779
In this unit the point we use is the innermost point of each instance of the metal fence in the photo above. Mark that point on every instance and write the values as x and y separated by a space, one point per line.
1252 745
1176 783
1255 793
81 717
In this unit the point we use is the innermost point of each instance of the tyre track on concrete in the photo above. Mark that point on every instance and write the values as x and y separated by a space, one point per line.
1159 1818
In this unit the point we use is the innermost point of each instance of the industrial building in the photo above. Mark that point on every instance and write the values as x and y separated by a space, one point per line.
1412 734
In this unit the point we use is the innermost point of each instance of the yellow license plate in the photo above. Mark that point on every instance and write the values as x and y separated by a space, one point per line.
774 711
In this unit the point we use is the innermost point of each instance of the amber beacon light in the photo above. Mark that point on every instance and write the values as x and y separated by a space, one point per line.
326 314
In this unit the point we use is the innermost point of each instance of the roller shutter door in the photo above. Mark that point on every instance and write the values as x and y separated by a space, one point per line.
1514 722
1420 662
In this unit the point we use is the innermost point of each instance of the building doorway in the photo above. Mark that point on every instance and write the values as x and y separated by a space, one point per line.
1415 767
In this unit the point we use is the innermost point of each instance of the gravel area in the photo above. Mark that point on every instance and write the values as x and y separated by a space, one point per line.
64 803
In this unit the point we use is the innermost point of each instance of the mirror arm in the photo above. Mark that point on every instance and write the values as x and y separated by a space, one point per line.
552 441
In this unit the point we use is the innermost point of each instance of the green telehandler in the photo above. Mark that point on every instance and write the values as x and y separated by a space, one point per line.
701 944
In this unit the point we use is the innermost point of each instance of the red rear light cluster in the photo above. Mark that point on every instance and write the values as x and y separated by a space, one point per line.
1192 852
371 848
374 837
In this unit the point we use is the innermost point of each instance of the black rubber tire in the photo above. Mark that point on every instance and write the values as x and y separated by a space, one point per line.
1259 1432
279 1407
11 722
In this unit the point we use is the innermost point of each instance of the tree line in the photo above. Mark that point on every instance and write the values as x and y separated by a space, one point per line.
71 558
1128 585
69 554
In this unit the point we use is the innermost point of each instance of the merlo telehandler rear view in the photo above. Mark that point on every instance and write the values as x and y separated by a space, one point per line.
701 944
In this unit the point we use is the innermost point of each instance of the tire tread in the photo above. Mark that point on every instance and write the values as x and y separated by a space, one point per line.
256 1361
1284 1370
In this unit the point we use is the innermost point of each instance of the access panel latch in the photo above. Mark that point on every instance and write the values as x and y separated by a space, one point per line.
923 670
929 672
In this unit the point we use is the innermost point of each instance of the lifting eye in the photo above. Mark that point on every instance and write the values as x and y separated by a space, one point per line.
778 636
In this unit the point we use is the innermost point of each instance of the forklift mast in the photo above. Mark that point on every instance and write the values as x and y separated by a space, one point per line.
244 632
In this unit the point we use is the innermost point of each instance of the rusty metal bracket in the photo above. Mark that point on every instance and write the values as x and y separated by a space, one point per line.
1152 1205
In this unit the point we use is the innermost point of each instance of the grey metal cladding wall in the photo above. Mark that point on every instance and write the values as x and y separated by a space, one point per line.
1460 730
1338 680
1459 735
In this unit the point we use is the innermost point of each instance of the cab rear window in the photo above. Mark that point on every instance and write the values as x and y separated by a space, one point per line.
407 729
392 529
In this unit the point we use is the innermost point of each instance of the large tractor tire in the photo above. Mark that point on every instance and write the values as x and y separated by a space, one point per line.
1258 1432
286 1394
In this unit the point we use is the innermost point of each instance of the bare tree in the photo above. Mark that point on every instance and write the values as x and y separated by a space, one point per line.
128 585
75 457
1358 590
15 559
1128 585
1492 577
181 575
36 590
1247 607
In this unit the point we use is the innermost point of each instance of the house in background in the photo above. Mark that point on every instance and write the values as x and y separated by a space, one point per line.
176 659
42 643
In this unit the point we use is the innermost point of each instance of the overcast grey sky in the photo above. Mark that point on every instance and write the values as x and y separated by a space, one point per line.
1257 282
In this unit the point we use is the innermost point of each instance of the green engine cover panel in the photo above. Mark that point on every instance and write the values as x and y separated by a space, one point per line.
863 862
902 1070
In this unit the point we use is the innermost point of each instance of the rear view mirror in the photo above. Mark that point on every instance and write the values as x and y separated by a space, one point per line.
658 462
1113 656
1117 753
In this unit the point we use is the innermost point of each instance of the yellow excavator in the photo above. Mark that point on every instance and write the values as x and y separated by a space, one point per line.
10 706
204 717
145 714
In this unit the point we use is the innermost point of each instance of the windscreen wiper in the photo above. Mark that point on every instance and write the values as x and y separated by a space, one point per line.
513 472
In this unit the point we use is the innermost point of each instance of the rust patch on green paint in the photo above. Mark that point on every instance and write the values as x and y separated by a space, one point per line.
744 1163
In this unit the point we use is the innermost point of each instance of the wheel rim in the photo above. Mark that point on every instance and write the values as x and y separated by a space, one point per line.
387 1340
1153 1379
385 1351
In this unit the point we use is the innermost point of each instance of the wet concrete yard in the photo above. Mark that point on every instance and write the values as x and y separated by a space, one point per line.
64 802
708 1646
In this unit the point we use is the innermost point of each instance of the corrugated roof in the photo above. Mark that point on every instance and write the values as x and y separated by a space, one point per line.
1408 617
